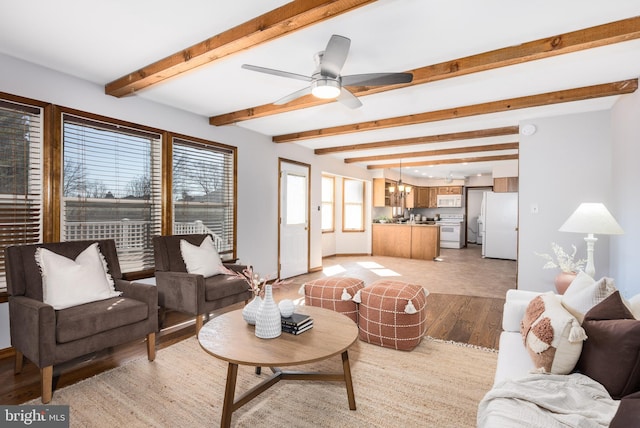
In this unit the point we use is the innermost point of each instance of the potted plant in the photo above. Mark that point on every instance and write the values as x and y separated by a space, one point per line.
567 263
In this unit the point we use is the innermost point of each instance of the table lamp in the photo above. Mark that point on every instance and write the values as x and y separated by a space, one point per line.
591 218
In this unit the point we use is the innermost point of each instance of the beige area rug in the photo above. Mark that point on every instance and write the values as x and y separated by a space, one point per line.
438 384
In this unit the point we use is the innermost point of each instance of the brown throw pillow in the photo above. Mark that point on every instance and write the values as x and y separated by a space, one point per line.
611 353
628 414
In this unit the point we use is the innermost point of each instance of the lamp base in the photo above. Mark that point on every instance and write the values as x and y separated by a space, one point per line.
590 269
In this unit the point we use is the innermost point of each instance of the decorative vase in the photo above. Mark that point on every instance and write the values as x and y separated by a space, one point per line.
268 320
563 280
250 310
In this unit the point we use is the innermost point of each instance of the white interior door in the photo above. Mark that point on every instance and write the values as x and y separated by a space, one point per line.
294 219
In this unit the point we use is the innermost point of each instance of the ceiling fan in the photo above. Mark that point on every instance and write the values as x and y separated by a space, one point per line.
326 81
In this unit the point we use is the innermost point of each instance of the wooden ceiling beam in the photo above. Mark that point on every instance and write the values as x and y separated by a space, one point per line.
442 138
446 161
440 152
269 26
601 35
569 95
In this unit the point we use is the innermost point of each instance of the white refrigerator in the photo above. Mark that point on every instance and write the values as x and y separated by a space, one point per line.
499 219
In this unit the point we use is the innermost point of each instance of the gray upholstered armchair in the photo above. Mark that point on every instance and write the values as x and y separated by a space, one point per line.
47 336
193 293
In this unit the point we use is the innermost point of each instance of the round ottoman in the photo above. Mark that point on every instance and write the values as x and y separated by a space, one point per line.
333 293
392 314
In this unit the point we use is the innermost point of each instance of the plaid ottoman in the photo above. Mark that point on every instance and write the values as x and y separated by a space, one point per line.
333 293
393 314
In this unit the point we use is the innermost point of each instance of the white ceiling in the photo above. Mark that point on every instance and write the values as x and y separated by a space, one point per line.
102 41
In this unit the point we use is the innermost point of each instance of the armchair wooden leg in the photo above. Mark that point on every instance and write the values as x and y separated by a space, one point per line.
151 346
46 381
199 323
19 362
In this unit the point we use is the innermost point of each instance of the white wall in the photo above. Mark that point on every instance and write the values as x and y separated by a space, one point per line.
625 118
566 162
257 156
506 169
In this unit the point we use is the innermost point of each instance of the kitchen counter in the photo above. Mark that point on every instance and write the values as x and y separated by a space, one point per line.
410 241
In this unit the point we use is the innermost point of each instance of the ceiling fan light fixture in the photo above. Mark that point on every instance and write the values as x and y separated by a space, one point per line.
325 88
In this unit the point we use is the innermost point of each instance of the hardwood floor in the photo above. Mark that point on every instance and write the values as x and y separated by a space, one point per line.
457 317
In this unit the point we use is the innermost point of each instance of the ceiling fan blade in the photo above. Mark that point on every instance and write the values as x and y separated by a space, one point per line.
348 99
335 54
276 72
295 95
376 79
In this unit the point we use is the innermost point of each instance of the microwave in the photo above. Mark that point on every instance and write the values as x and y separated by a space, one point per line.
449 201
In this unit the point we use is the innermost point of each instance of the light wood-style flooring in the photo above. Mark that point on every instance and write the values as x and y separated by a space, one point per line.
464 305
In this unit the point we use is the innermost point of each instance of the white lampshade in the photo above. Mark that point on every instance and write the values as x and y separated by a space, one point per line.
592 218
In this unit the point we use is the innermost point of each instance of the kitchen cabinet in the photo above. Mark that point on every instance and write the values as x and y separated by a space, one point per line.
393 240
379 192
433 197
425 242
422 197
410 198
406 240
505 184
381 195
450 190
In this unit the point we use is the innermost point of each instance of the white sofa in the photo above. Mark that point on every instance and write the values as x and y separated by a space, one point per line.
513 359
515 363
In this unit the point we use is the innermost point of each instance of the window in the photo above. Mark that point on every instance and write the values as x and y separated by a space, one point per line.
353 205
20 177
111 184
328 209
204 191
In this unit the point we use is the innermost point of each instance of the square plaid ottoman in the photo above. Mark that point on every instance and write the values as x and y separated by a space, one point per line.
333 293
393 314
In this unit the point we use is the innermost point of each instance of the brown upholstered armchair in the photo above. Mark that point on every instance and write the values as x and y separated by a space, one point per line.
48 337
192 293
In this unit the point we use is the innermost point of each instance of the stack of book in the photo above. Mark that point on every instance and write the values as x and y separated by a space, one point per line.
296 323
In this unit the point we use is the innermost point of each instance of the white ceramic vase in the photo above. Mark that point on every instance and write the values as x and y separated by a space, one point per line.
268 321
250 310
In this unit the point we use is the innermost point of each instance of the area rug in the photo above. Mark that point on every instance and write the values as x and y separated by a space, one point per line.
438 384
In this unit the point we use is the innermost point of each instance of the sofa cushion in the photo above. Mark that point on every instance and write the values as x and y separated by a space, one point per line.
89 319
201 259
611 354
220 286
584 293
552 336
68 282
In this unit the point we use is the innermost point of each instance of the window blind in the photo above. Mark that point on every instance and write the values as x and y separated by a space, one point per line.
20 177
353 205
204 191
112 187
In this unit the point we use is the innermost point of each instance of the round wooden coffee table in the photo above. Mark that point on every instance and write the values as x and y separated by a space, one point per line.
229 338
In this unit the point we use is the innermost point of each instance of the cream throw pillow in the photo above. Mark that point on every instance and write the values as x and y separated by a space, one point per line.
202 260
552 336
67 282
584 293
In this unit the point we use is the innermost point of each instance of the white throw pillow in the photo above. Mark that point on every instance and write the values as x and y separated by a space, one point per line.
203 260
67 282
634 306
551 335
584 293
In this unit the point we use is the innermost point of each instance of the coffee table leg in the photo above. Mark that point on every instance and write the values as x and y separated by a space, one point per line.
347 380
229 395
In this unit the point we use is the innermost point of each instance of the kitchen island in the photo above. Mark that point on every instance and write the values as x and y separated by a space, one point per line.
410 241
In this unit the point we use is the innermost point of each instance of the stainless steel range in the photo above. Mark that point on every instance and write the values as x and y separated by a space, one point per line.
451 230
